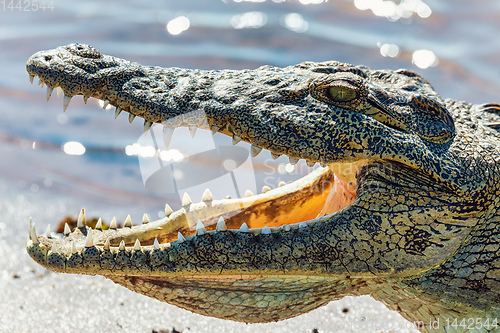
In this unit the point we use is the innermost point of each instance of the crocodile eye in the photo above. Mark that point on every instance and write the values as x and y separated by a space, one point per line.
341 94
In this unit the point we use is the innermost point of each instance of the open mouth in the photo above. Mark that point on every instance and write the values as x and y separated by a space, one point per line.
323 192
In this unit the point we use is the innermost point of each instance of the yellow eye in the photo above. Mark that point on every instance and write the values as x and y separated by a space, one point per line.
342 94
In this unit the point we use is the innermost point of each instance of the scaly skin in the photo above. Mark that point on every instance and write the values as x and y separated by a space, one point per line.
406 211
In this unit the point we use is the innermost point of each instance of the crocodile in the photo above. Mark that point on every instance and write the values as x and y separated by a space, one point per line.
403 206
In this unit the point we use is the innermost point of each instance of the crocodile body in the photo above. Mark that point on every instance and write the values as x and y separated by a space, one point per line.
405 207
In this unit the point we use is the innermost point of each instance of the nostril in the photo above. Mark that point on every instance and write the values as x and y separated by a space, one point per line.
48 58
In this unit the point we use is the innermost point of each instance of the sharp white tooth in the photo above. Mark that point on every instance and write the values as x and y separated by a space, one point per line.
59 91
147 126
89 242
281 183
200 229
186 200
40 82
118 110
32 233
236 139
292 161
137 245
302 225
285 227
66 101
81 219
73 247
207 195
168 210
221 225
274 156
310 164
98 225
227 197
324 165
167 136
105 104
156 245
122 246
32 77
266 230
192 130
145 219
48 234
254 151
248 193
214 129
131 117
106 244
265 189
180 238
49 92
244 228
128 222
67 230
112 225
85 98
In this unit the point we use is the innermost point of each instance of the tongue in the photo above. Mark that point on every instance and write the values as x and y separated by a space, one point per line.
341 195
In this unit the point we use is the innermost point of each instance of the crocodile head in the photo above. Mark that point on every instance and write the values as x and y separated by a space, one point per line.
397 195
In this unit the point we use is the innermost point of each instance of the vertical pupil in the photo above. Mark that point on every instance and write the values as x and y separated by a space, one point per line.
342 94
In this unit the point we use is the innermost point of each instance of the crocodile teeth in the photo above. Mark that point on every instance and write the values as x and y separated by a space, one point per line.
254 151
73 248
302 225
207 195
112 225
118 110
281 183
66 101
137 245
128 222
40 82
106 245
32 233
324 165
200 229
192 130
85 98
59 91
131 118
292 161
286 227
215 129
168 132
81 219
145 219
248 193
67 230
122 246
310 164
244 228
147 125
156 245
186 200
265 189
89 241
180 238
274 156
266 230
32 77
105 104
49 92
48 233
168 210
236 139
221 225
98 225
